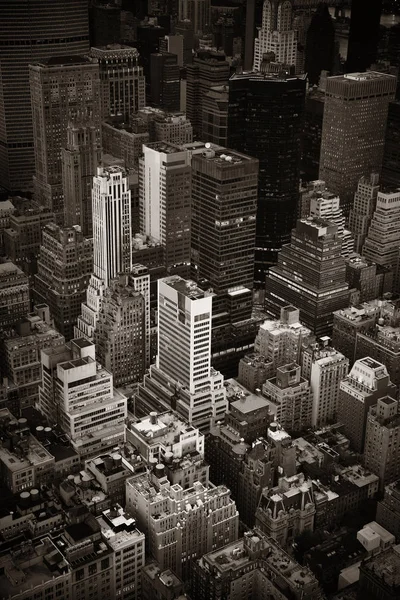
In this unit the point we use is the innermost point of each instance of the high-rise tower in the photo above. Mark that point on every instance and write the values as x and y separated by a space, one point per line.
112 242
364 34
80 159
61 88
353 132
265 120
310 275
363 209
320 44
276 34
30 32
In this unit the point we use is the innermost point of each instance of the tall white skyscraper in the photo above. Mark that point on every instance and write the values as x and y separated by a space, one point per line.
112 241
276 34
183 365
165 199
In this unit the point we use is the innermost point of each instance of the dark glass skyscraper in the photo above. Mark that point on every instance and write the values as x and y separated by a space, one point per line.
364 34
391 154
265 120
320 44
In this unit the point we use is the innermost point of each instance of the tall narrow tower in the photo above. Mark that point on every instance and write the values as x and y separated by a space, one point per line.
112 243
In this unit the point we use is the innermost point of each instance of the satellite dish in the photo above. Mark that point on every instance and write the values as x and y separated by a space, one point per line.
208 145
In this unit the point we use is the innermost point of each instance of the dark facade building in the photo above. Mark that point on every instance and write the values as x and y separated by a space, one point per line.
265 120
312 134
209 69
29 32
310 275
380 576
65 264
165 81
215 115
148 42
364 34
391 155
105 23
320 44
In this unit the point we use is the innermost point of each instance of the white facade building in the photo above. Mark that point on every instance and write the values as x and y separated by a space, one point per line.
327 206
276 34
184 350
112 241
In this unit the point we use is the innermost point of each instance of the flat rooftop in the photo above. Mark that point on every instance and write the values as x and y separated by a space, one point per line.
187 287
386 566
163 147
164 430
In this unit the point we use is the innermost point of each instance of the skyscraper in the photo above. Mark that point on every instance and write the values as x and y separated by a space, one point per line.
112 241
320 44
165 199
215 115
197 12
353 133
326 206
165 81
391 154
276 34
364 34
65 263
61 88
224 205
367 382
265 121
310 275
122 80
31 32
80 158
363 208
209 69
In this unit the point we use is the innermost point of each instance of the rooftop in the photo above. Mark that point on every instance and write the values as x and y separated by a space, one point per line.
386 566
163 147
165 428
185 286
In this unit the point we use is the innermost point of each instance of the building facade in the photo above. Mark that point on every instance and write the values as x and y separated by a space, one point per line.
276 34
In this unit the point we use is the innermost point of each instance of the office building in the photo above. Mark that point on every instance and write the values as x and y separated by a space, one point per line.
23 237
7 209
120 332
193 520
209 69
81 394
391 154
124 140
379 575
312 134
215 115
224 206
383 237
112 241
367 382
277 343
148 36
165 199
363 208
160 584
388 509
309 191
165 85
383 345
64 266
61 88
364 35
382 440
367 279
325 368
122 82
21 353
326 206
185 29
250 567
14 295
80 158
173 44
310 275
105 23
184 350
276 34
197 12
353 133
320 44
265 121
290 398
173 128
31 33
